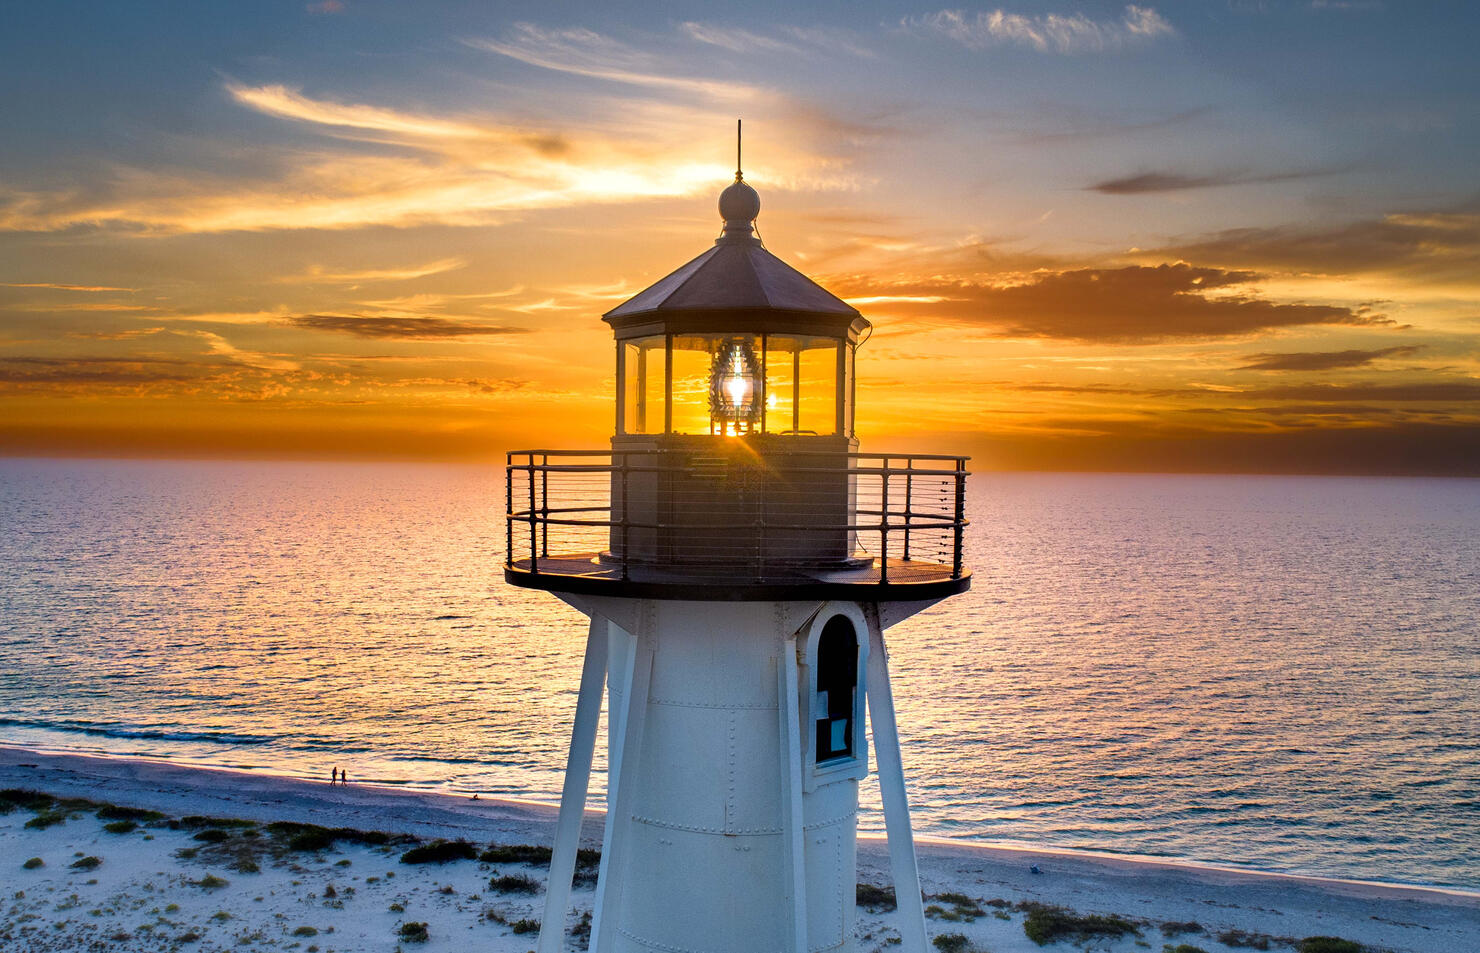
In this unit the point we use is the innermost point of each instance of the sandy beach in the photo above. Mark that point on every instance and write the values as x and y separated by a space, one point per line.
190 879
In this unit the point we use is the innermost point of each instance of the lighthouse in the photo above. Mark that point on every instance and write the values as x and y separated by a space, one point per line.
739 560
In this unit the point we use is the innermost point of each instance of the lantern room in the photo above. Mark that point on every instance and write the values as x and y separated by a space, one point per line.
736 343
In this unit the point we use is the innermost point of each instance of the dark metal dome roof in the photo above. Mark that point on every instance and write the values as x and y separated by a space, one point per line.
736 274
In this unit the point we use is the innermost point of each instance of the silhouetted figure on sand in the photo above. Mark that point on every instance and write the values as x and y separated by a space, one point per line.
333 775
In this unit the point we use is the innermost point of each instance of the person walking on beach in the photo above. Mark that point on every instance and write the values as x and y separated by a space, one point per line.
333 775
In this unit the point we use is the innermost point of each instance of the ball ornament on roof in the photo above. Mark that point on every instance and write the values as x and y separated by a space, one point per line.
739 204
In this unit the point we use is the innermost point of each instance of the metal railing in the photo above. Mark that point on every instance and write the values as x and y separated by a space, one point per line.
699 513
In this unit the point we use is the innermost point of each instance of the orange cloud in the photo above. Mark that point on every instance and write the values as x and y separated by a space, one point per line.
1129 305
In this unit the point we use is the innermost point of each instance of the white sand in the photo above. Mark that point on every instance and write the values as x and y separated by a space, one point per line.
141 897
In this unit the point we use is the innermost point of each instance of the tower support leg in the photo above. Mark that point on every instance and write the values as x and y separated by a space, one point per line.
573 794
622 784
903 867
794 877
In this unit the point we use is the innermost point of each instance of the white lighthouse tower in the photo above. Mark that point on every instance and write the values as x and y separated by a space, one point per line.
739 560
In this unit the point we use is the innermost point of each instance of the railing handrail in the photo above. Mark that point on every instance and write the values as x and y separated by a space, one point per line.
912 494
773 451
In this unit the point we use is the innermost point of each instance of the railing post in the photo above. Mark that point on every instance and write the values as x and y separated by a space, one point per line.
508 509
960 516
909 502
626 543
884 523
545 510
534 532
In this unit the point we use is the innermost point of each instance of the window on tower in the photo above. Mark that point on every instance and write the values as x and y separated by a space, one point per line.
837 687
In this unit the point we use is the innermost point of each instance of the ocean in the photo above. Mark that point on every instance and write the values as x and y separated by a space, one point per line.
1279 673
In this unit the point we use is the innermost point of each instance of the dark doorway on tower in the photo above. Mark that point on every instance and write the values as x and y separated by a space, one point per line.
837 685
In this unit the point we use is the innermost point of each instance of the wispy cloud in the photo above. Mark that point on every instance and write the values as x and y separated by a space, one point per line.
791 39
320 275
1144 182
1428 246
1324 360
1437 391
1132 305
127 335
422 329
1046 33
288 103
583 52
60 287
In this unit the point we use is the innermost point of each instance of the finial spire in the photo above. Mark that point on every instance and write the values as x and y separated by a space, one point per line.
739 204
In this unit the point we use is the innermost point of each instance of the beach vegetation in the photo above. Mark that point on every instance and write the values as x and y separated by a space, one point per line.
874 897
962 907
114 812
1328 944
440 852
525 926
33 863
86 863
396 908
13 798
1046 924
514 883
1182 948
414 931
211 835
221 915
47 818
189 936
187 853
1179 927
172 908
197 821
516 854
1241 939
951 943
121 827
311 840
492 915
246 865
209 882
306 931
581 931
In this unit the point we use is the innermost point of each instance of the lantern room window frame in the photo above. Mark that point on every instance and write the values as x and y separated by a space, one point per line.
635 415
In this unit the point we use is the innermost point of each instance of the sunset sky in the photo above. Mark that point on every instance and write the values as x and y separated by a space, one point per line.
1186 236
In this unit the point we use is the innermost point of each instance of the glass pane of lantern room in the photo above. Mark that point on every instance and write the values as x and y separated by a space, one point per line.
692 359
642 385
781 354
817 409
849 385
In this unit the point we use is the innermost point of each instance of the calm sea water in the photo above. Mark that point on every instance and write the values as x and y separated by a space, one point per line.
1282 673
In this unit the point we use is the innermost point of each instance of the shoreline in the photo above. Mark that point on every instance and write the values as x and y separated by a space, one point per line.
1156 893
12 756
